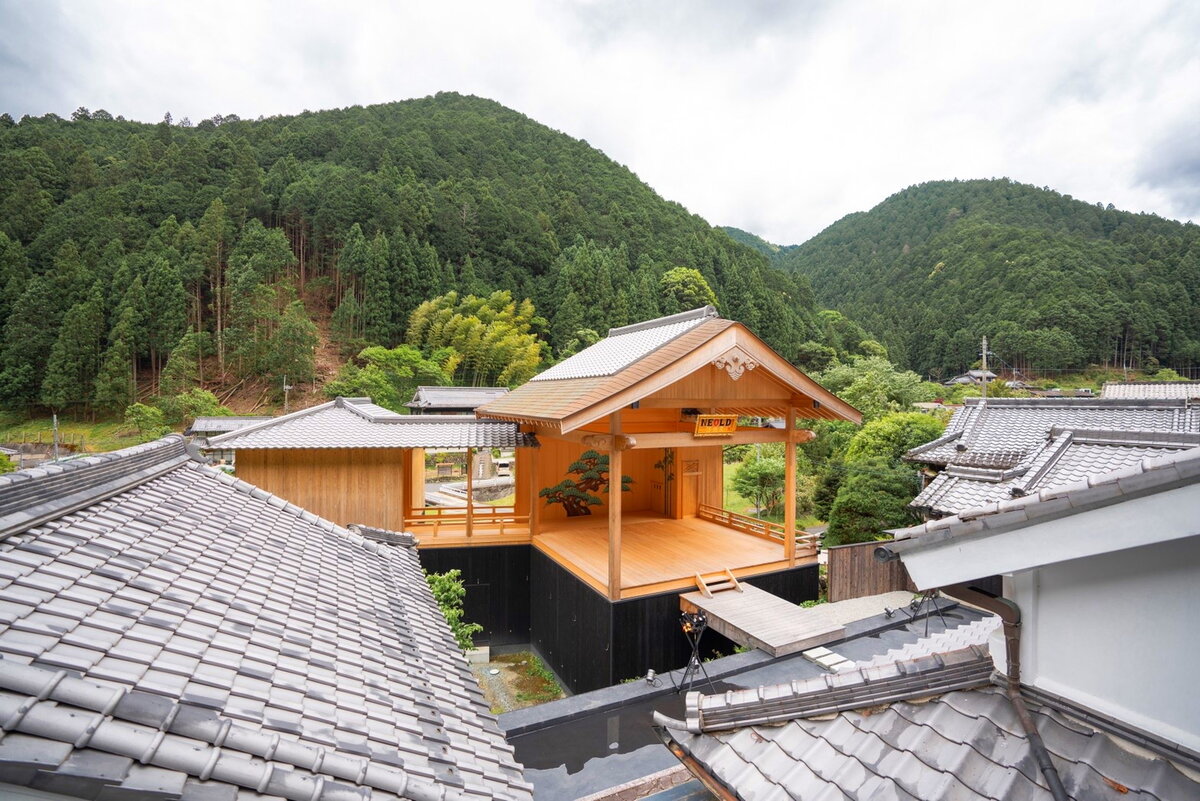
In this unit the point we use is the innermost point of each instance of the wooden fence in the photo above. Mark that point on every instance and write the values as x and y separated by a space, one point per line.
854 572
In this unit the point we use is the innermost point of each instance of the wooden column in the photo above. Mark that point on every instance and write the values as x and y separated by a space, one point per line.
535 507
789 489
470 490
406 488
614 509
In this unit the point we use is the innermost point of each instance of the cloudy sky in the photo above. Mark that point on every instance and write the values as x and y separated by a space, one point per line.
776 117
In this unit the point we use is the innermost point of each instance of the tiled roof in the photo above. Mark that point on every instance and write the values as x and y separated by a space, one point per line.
1066 457
219 425
167 631
1177 467
1176 390
358 423
454 397
920 722
966 744
1022 425
624 346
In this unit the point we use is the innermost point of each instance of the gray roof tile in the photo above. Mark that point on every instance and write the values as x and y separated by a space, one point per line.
245 627
357 423
1160 390
965 745
624 346
454 397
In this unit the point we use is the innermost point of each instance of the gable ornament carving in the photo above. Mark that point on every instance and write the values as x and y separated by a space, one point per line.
735 362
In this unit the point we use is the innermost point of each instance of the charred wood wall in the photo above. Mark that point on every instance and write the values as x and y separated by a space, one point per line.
497 582
592 643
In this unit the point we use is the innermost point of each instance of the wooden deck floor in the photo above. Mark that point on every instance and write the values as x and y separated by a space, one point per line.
657 554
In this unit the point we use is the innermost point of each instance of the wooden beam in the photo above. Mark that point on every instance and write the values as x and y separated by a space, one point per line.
470 490
714 402
746 436
789 490
614 511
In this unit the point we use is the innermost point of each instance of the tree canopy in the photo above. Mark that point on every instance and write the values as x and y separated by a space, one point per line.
1055 282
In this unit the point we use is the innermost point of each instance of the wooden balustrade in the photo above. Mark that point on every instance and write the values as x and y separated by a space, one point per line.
492 518
806 543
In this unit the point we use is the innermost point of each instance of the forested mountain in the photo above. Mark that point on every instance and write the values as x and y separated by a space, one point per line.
165 255
1054 282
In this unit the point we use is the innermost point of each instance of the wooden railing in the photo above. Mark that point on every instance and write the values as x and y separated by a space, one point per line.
489 519
806 543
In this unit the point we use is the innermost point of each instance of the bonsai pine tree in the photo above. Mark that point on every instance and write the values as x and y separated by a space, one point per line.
578 496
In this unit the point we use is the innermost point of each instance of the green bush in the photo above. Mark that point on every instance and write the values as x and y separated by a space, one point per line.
448 591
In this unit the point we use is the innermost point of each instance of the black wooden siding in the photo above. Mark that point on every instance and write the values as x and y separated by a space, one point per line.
496 578
592 643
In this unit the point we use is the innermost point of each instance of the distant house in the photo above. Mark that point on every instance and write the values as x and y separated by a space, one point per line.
971 377
170 632
203 428
1152 390
452 400
1003 448
1095 657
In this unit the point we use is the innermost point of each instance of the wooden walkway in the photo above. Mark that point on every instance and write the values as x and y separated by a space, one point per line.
758 619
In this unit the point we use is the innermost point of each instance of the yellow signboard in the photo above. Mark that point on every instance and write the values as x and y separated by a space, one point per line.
715 425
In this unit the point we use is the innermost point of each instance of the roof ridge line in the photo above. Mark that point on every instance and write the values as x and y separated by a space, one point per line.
220 439
38 495
701 313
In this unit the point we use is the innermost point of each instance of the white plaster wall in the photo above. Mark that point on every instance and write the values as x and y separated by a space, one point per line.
1119 633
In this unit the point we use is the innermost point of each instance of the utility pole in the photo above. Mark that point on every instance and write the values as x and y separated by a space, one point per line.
286 389
984 376
54 418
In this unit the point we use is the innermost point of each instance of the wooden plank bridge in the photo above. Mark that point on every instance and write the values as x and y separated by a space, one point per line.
756 618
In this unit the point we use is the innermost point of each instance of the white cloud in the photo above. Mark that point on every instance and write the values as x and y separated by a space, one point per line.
775 117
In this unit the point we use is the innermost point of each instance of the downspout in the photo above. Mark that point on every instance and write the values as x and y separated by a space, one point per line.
1010 615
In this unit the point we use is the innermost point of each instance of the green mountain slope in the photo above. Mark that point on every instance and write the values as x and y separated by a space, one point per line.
1053 281
125 235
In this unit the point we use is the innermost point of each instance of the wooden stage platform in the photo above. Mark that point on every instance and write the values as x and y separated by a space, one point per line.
657 554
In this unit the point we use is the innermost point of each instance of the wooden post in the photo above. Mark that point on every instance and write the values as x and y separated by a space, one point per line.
614 510
789 489
470 490
535 509
406 488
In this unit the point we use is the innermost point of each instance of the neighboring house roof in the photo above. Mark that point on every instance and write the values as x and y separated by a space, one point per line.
167 631
465 398
1151 389
220 425
358 423
638 360
1066 456
925 728
990 538
1012 428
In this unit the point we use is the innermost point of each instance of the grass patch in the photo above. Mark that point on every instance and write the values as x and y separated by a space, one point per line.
77 436
535 683
507 500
